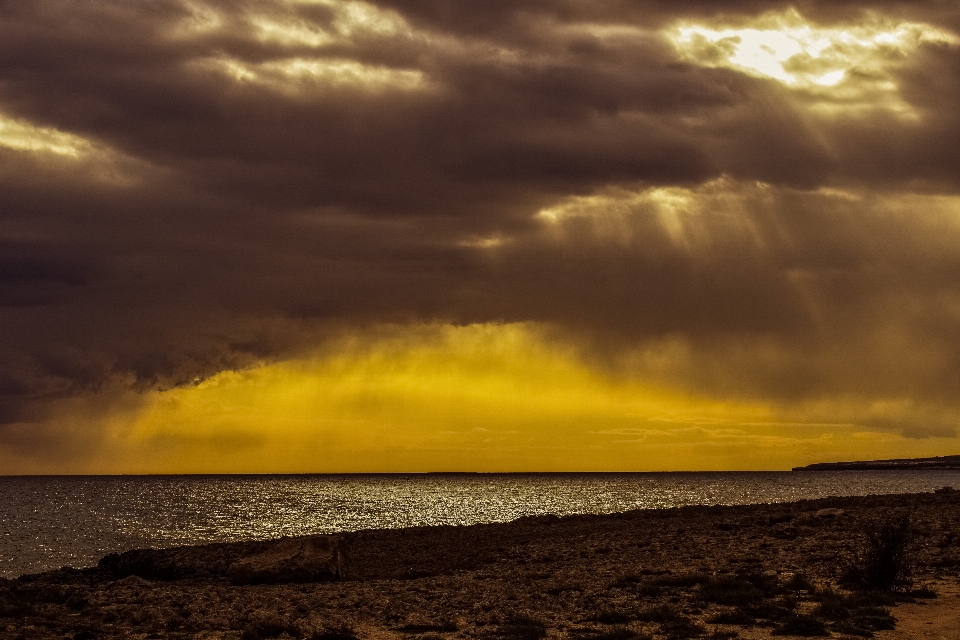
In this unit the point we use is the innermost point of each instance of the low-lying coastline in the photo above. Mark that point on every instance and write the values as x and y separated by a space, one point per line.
722 572
938 463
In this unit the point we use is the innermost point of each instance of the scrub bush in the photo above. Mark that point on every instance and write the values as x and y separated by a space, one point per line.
884 563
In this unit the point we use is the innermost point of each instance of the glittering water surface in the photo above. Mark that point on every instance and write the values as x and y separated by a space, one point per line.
49 522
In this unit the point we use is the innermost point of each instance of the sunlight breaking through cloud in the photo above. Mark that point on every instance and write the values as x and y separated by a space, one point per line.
852 64
23 136
349 20
679 211
303 74
297 36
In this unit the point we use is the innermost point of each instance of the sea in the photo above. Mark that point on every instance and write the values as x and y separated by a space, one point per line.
48 522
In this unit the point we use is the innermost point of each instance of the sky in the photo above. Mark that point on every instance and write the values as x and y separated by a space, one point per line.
524 235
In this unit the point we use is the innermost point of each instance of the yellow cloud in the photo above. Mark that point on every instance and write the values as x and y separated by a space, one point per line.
477 398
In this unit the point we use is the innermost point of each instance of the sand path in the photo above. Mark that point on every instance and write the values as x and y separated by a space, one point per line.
937 619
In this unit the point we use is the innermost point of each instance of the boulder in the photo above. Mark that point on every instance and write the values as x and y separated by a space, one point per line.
309 559
131 582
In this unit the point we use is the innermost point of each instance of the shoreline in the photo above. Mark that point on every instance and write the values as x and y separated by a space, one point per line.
637 574
54 522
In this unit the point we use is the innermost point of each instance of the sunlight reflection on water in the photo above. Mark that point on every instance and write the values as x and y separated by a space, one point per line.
48 522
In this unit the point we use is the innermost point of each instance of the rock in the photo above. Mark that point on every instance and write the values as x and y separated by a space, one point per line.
418 623
779 518
135 582
829 513
784 531
195 562
311 559
770 573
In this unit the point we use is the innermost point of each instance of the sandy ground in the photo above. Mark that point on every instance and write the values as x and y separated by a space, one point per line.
937 619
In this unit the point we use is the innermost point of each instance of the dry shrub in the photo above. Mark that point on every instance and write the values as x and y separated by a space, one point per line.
267 626
519 628
682 628
799 624
884 563
337 633
616 633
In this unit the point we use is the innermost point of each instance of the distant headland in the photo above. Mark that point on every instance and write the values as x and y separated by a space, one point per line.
905 464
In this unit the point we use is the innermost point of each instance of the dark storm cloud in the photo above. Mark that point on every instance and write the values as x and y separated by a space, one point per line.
217 222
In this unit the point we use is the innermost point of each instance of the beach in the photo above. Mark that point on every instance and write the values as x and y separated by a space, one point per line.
744 571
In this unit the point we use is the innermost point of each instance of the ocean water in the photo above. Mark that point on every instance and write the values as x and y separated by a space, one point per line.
53 521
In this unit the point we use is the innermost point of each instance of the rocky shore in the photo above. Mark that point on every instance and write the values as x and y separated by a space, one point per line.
796 569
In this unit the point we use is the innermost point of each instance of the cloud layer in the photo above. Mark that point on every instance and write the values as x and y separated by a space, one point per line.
191 187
